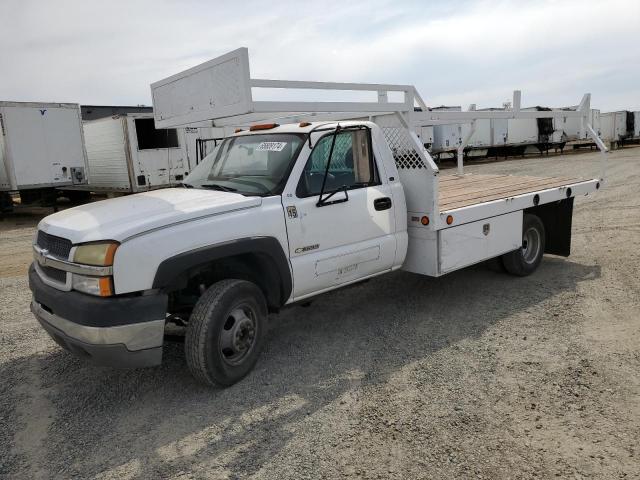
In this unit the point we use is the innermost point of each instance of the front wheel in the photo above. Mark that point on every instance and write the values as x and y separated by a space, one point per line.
525 260
225 332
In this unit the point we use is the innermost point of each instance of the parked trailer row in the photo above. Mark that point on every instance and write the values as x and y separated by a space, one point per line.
47 151
496 136
515 136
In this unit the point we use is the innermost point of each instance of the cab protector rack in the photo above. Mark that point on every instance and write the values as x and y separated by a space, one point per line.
219 93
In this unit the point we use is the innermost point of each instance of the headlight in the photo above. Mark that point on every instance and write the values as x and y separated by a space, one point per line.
100 254
100 286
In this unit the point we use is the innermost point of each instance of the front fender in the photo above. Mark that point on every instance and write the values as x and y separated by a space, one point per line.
278 271
138 258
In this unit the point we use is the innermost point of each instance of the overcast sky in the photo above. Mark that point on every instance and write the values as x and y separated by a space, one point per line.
455 52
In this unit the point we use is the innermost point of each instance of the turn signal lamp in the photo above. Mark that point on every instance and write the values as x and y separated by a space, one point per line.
106 286
98 286
449 219
424 220
237 130
304 124
263 126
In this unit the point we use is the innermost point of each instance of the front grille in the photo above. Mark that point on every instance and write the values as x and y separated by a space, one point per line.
56 246
54 274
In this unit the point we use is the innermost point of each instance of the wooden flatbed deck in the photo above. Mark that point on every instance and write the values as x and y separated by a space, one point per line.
462 191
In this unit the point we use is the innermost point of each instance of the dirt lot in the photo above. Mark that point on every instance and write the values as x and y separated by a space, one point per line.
473 375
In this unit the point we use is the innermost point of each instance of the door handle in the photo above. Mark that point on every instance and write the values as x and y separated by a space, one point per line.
383 203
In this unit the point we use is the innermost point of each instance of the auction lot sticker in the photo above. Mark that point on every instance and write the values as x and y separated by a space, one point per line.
271 146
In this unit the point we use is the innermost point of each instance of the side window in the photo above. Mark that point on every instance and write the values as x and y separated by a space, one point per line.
352 164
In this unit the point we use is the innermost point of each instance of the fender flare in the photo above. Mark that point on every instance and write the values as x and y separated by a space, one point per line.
267 247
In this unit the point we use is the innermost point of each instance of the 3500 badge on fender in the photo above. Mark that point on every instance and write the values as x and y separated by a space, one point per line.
307 248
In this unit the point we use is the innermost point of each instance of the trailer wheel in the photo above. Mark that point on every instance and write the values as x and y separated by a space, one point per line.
526 259
225 332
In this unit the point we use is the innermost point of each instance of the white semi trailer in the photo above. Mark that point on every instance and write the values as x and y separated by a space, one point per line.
572 128
615 126
497 136
41 149
446 137
278 214
127 154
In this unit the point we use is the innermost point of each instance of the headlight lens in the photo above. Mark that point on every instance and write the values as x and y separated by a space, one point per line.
100 286
100 254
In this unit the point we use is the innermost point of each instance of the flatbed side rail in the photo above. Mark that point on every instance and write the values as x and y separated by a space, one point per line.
521 201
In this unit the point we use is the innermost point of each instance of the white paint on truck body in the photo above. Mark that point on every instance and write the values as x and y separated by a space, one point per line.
327 247
353 239
475 242
232 219
124 217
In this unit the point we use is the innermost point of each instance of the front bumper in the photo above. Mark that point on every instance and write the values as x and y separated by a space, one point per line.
117 332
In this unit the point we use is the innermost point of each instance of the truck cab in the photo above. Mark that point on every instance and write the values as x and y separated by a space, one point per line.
275 215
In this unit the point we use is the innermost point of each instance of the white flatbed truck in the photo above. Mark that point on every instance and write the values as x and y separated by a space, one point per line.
278 214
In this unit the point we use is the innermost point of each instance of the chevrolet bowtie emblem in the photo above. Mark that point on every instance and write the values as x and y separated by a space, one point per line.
43 255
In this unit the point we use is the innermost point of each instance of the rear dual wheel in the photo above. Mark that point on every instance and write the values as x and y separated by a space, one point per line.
525 260
226 332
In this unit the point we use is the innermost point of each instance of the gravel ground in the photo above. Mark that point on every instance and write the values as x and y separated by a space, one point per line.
473 375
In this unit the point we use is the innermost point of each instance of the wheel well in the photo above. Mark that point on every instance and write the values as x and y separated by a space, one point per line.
556 218
260 260
257 268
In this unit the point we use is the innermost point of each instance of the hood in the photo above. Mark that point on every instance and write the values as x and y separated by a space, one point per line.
123 217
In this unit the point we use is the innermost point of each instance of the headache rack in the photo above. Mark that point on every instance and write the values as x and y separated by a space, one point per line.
220 93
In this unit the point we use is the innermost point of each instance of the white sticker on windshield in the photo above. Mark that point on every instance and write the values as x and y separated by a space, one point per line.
271 146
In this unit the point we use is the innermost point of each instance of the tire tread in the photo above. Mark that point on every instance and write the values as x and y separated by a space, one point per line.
513 261
197 332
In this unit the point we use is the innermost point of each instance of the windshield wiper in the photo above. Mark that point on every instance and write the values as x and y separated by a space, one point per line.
222 188
186 185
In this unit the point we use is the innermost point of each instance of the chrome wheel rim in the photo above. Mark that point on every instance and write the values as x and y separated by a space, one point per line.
531 245
238 336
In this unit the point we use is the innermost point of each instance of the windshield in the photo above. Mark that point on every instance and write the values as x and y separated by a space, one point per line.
249 164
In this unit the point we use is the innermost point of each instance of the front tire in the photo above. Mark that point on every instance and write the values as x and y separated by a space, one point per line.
226 332
525 260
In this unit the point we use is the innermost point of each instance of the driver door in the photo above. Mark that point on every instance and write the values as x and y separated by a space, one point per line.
349 236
